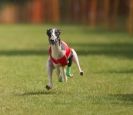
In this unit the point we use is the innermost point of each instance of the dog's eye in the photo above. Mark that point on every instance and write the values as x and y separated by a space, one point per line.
57 33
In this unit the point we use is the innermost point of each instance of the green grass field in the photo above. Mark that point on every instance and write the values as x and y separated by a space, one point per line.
105 89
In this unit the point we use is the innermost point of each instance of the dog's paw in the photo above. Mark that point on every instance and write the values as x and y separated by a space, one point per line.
69 75
48 87
81 73
60 79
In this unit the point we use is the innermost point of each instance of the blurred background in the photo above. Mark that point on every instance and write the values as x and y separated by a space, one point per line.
111 14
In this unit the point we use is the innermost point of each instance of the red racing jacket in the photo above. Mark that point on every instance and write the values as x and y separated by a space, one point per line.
63 60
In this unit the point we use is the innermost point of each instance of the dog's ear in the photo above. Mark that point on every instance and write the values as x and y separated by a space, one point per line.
48 32
58 32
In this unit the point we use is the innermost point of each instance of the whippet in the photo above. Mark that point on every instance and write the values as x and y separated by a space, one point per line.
60 56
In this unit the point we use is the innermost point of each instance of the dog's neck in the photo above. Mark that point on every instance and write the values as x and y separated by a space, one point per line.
56 51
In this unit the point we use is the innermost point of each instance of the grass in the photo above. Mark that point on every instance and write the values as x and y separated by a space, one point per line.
106 58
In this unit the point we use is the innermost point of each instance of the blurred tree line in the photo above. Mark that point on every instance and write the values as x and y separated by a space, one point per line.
108 13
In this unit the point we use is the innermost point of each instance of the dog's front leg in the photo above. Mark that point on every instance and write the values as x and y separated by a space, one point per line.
63 74
59 75
50 68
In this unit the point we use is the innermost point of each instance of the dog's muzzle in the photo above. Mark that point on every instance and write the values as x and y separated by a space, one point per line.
53 42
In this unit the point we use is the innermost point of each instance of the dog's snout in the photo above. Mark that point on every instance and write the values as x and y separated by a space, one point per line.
52 41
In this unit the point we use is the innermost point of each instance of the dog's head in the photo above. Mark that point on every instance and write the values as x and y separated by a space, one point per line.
53 35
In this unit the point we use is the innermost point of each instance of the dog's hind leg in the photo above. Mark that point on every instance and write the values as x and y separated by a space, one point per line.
76 60
50 68
68 69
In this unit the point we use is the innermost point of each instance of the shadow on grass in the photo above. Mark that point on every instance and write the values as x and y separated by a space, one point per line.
112 49
118 99
122 98
43 92
35 93
23 52
130 71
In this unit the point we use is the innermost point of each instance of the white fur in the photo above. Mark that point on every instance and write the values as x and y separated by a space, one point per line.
53 37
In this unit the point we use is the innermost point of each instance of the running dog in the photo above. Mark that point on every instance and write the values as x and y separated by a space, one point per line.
60 57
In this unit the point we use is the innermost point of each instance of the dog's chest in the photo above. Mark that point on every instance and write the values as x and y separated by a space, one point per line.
57 52
58 57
